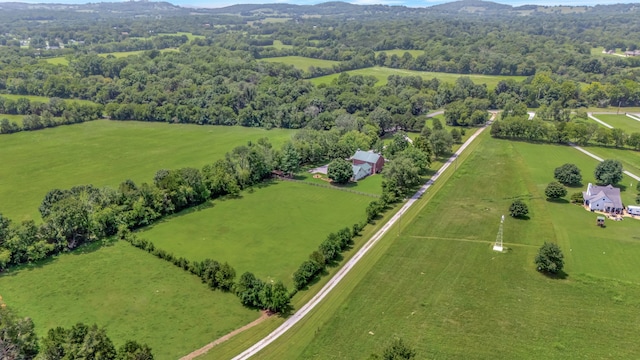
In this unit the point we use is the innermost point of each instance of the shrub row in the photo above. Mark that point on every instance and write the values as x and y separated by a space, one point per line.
251 291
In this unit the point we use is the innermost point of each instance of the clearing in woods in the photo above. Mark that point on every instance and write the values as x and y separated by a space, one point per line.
382 73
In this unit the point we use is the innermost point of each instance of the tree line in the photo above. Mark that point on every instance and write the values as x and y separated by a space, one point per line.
18 340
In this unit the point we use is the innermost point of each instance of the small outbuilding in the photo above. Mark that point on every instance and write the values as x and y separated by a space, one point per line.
600 221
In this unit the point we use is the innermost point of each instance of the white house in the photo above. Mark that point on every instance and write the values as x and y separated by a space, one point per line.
603 198
633 210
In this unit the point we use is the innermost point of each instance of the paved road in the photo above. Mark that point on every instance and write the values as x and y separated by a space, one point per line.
590 115
298 315
636 177
633 116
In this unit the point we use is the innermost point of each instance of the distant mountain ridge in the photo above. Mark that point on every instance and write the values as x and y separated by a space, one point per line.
333 8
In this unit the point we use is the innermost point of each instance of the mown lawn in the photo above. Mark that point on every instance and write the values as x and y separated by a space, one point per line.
382 73
440 287
269 231
623 122
302 63
135 295
106 152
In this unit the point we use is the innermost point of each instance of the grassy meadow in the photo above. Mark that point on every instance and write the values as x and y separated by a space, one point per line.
440 287
302 63
41 99
400 52
382 73
136 296
62 60
623 122
279 45
106 152
269 232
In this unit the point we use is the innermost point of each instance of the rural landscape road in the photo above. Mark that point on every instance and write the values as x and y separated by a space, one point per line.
298 315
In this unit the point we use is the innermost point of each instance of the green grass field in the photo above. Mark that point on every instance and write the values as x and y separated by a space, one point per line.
630 159
58 60
106 152
12 118
269 232
382 73
279 45
42 99
623 122
440 287
369 185
189 35
136 296
302 63
121 54
400 52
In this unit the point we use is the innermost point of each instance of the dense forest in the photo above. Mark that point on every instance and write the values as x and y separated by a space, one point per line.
218 78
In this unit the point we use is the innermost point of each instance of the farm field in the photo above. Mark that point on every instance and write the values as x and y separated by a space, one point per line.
620 121
400 52
189 35
135 295
439 287
12 118
104 152
382 73
279 45
62 60
42 99
302 63
270 231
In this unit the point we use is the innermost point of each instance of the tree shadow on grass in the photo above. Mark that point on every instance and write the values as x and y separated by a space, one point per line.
561 275
575 186
521 217
558 201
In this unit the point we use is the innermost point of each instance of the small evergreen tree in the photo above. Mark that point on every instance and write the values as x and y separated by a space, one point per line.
555 190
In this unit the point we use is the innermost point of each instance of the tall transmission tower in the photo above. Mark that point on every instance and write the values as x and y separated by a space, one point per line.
498 245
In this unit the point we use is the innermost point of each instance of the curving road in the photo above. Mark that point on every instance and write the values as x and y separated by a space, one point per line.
298 315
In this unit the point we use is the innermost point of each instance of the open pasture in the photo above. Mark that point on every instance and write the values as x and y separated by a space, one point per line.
302 63
400 52
135 295
279 45
106 152
440 287
121 54
58 60
382 73
41 99
622 121
270 231
12 118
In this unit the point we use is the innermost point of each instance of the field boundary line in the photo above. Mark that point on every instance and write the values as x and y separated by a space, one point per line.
467 240
635 177
346 268
280 178
590 115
